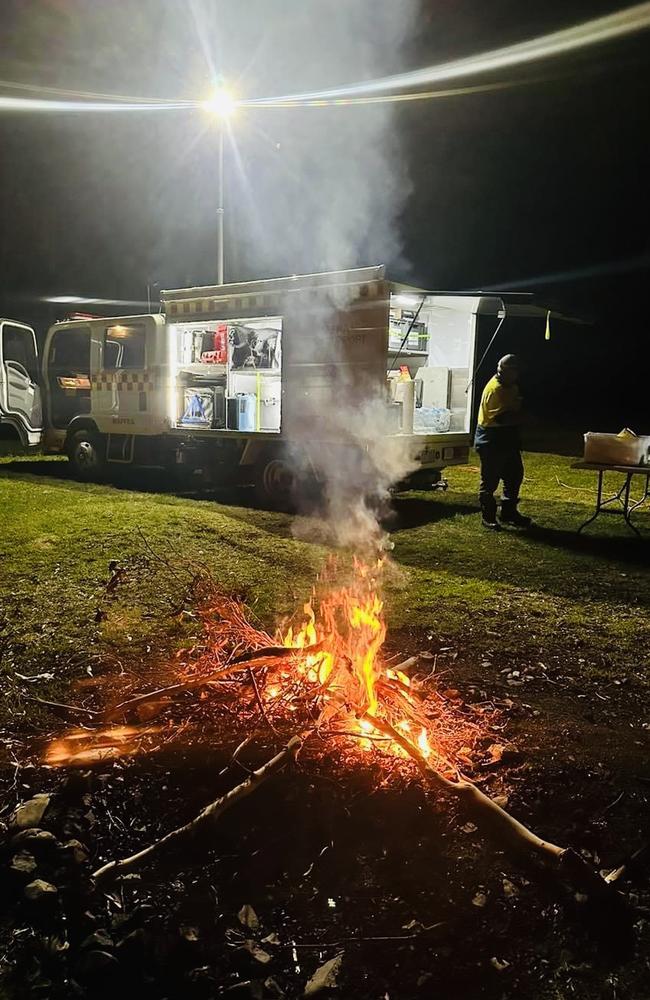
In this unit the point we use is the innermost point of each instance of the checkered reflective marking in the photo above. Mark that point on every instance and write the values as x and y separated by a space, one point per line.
131 381
250 301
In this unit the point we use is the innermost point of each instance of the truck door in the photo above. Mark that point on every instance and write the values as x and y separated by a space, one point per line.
68 374
20 394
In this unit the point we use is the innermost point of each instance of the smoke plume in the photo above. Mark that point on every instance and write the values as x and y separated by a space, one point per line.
330 197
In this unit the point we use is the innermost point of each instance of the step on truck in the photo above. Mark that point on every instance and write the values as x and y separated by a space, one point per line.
240 383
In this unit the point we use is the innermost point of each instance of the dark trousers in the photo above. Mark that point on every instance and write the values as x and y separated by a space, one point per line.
499 461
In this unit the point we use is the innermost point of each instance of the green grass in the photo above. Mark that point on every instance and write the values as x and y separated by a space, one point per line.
517 593
546 587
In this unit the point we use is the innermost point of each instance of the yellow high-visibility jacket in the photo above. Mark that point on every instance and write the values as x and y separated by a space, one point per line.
500 405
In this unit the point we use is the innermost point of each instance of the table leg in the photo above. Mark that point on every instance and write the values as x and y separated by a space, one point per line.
626 505
637 503
599 497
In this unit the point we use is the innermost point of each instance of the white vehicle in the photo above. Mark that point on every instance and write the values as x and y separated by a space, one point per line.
217 382
21 417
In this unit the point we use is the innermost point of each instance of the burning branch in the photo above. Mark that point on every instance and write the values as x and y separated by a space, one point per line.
247 662
506 830
204 821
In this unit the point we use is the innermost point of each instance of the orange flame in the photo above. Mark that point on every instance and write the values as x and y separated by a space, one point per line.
349 630
333 675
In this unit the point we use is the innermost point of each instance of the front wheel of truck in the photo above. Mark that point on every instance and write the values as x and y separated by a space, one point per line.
86 454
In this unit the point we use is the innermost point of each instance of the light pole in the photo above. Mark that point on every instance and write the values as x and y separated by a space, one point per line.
221 105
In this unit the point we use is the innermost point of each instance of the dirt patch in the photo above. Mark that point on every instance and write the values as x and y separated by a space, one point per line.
358 861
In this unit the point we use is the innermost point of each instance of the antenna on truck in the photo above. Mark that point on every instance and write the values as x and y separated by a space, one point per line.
501 315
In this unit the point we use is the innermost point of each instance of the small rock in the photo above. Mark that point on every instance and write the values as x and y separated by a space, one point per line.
500 800
500 964
29 814
480 899
274 988
189 933
37 841
469 828
75 851
23 864
39 891
509 888
325 976
248 917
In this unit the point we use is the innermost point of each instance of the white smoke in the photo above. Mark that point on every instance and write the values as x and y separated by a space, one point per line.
340 422
332 199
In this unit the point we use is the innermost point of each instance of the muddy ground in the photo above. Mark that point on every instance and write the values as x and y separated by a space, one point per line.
351 860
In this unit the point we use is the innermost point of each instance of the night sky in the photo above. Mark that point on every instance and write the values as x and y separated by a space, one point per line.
541 186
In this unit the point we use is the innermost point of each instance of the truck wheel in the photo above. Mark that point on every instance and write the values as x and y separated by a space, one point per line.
276 480
85 452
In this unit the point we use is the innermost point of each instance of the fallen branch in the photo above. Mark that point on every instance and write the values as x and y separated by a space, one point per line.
206 819
504 828
61 706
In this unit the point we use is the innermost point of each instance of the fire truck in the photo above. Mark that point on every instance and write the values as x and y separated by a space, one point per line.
250 383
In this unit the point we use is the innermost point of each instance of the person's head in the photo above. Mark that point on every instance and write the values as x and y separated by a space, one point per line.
508 369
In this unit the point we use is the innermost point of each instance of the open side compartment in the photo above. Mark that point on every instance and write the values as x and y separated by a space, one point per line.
431 353
228 374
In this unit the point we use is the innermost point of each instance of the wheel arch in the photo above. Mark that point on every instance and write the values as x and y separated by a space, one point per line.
80 423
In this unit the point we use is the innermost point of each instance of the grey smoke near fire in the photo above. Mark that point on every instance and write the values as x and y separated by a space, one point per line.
340 208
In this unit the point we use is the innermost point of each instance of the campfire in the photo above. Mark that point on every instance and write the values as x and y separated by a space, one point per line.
325 675
322 678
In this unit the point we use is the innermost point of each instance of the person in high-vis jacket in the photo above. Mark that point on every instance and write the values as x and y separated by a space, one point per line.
498 445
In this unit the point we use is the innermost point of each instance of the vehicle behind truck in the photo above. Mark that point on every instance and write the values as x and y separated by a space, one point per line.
21 416
252 383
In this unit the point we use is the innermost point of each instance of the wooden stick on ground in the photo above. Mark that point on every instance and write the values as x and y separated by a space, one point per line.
504 828
206 818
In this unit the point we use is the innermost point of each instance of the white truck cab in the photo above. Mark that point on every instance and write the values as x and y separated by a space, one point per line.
21 417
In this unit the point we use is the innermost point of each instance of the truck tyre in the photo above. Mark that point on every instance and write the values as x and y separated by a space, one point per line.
276 482
86 454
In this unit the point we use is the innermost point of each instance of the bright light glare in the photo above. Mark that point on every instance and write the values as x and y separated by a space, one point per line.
222 103
579 36
407 301
81 300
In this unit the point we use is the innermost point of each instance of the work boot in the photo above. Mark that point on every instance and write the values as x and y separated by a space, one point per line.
510 515
489 512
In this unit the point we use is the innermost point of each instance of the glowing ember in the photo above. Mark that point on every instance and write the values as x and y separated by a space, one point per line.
332 682
85 746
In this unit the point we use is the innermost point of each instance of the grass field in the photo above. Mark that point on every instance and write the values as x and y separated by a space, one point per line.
516 592
550 627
